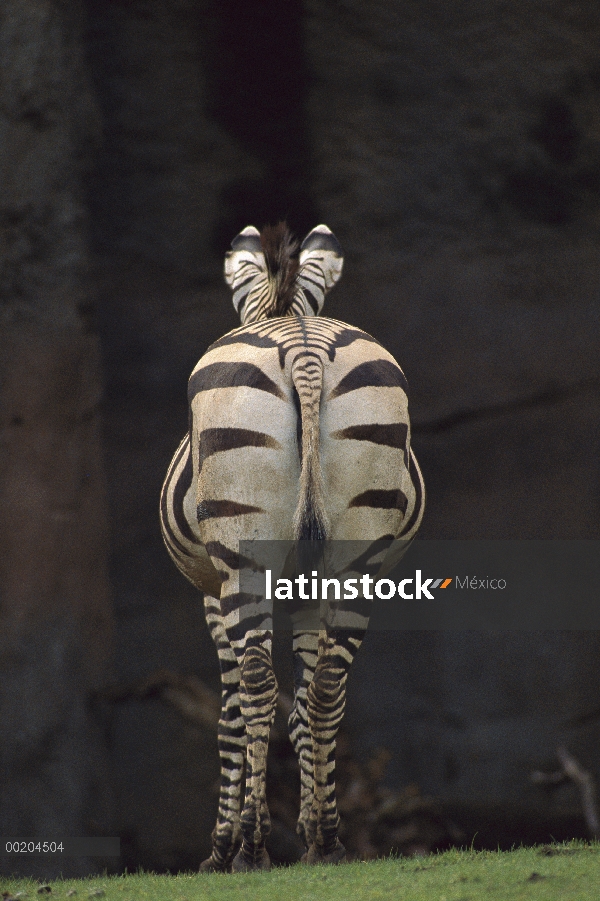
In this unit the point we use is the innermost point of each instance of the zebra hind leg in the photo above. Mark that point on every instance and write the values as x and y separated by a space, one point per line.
326 699
305 645
232 747
258 696
247 621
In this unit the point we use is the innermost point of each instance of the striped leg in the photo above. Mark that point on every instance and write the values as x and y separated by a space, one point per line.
248 619
326 699
258 696
244 624
232 746
305 645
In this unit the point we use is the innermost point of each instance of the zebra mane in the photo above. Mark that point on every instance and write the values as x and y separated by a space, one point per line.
270 280
280 249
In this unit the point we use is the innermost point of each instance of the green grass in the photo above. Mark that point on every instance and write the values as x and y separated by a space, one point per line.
569 872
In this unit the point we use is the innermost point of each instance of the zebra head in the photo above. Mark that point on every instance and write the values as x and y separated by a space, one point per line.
268 279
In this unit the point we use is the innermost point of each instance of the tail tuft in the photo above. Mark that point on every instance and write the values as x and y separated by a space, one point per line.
309 525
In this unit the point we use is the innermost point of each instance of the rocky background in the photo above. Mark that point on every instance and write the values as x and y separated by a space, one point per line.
455 152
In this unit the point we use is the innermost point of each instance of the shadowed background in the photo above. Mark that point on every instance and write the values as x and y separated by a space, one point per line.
455 153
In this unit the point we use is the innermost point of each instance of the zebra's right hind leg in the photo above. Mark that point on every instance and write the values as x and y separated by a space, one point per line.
305 647
326 699
232 747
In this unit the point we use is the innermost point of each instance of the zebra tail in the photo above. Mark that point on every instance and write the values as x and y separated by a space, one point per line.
311 522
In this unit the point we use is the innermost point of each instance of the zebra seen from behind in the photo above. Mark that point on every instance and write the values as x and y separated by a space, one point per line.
298 430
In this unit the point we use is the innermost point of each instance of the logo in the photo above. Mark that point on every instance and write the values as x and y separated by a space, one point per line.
421 587
385 589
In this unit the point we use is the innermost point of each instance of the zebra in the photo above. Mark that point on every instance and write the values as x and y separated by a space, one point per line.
298 430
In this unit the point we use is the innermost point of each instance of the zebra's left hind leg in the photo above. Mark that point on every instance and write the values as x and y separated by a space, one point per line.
258 696
247 620
232 747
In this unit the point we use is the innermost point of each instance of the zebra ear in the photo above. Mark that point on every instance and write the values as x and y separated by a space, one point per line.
246 255
322 249
243 263
248 239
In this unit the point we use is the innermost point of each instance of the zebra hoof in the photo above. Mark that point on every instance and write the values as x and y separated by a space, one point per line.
315 854
210 865
241 864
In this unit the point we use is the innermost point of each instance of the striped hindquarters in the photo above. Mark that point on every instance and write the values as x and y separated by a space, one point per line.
295 414
412 523
372 482
179 524
177 532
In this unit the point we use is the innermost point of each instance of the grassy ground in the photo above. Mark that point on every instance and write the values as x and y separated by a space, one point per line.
569 872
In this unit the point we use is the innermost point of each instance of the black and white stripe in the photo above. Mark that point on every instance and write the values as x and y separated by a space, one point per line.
299 429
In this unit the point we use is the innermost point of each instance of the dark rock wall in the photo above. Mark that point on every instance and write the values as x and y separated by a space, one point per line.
257 82
164 163
420 124
476 120
457 157
55 611
156 202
